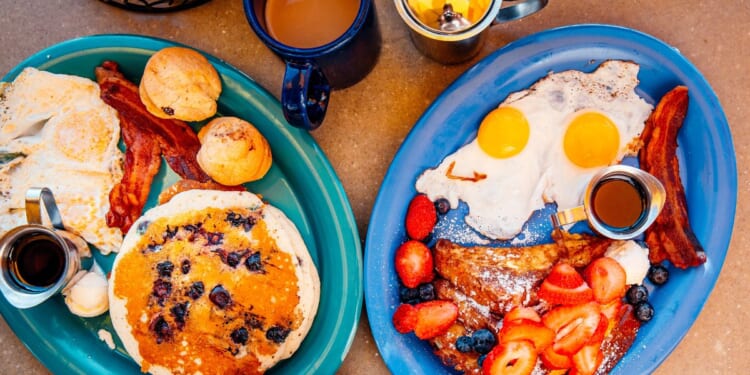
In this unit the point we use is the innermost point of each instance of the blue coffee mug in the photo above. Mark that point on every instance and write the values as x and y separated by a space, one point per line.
311 73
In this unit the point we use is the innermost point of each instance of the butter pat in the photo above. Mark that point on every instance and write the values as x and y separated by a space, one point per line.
632 257
86 295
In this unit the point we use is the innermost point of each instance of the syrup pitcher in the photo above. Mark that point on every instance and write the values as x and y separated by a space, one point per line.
38 261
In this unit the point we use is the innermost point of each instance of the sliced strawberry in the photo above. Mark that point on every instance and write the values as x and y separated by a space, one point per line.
556 361
421 217
414 263
510 358
434 318
573 326
521 312
405 318
601 330
523 329
606 278
565 276
612 309
587 360
557 295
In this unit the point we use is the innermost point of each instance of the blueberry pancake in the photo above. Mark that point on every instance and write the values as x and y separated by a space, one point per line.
214 283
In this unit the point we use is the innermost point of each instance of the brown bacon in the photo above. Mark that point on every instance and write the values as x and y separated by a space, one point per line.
670 237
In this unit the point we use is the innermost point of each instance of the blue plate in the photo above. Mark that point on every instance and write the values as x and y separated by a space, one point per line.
706 155
301 183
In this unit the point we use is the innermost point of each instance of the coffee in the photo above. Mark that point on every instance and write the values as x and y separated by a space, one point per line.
37 261
309 23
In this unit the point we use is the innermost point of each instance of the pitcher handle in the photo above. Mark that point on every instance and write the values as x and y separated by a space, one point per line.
520 10
304 94
34 213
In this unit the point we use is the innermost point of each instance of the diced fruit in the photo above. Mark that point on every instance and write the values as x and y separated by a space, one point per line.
565 276
414 263
434 318
612 309
658 274
636 293
557 295
464 344
588 359
442 206
514 357
555 361
405 318
421 217
484 341
601 330
573 326
606 278
644 311
521 312
523 329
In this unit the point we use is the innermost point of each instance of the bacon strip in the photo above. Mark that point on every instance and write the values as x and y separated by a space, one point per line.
146 138
670 237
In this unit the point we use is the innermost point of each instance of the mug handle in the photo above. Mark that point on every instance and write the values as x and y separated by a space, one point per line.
304 94
520 10
33 212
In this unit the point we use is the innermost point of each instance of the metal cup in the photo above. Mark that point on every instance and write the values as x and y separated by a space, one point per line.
649 189
38 261
454 44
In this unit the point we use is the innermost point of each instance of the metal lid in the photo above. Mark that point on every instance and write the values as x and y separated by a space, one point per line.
447 16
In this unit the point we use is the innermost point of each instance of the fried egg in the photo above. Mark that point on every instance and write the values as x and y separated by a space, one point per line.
542 145
65 138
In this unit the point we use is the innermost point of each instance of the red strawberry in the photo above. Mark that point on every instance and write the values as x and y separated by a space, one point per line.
523 329
421 217
557 295
521 312
405 318
573 326
510 358
414 264
612 310
606 278
556 361
565 276
587 360
434 318
601 330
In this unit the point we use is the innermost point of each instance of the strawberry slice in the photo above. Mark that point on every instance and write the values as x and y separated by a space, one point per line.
434 318
606 278
558 295
421 217
523 329
405 318
565 276
612 309
573 326
587 360
510 358
521 312
601 330
555 361
414 264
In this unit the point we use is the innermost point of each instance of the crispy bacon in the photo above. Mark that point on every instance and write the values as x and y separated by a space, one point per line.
146 138
670 237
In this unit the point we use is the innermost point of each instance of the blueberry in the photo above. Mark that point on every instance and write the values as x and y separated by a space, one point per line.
143 226
644 311
220 296
253 262
165 268
162 329
240 336
161 290
636 293
658 274
185 266
465 344
480 360
179 311
196 290
277 334
442 206
408 295
233 259
484 341
426 292
215 238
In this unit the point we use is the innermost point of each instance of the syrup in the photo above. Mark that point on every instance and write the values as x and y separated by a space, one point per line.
37 262
619 202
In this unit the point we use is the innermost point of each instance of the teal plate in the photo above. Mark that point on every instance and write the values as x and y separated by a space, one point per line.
301 183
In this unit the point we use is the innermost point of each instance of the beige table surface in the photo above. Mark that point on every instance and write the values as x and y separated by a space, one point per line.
367 122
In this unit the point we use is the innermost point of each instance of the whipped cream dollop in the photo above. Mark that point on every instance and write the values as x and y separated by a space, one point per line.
632 257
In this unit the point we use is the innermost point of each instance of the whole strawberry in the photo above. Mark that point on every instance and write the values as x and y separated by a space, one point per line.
414 263
421 217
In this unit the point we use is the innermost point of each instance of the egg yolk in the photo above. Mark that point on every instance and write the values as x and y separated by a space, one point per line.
503 133
592 140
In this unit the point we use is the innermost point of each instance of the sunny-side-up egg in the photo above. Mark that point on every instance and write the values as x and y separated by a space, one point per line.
542 145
